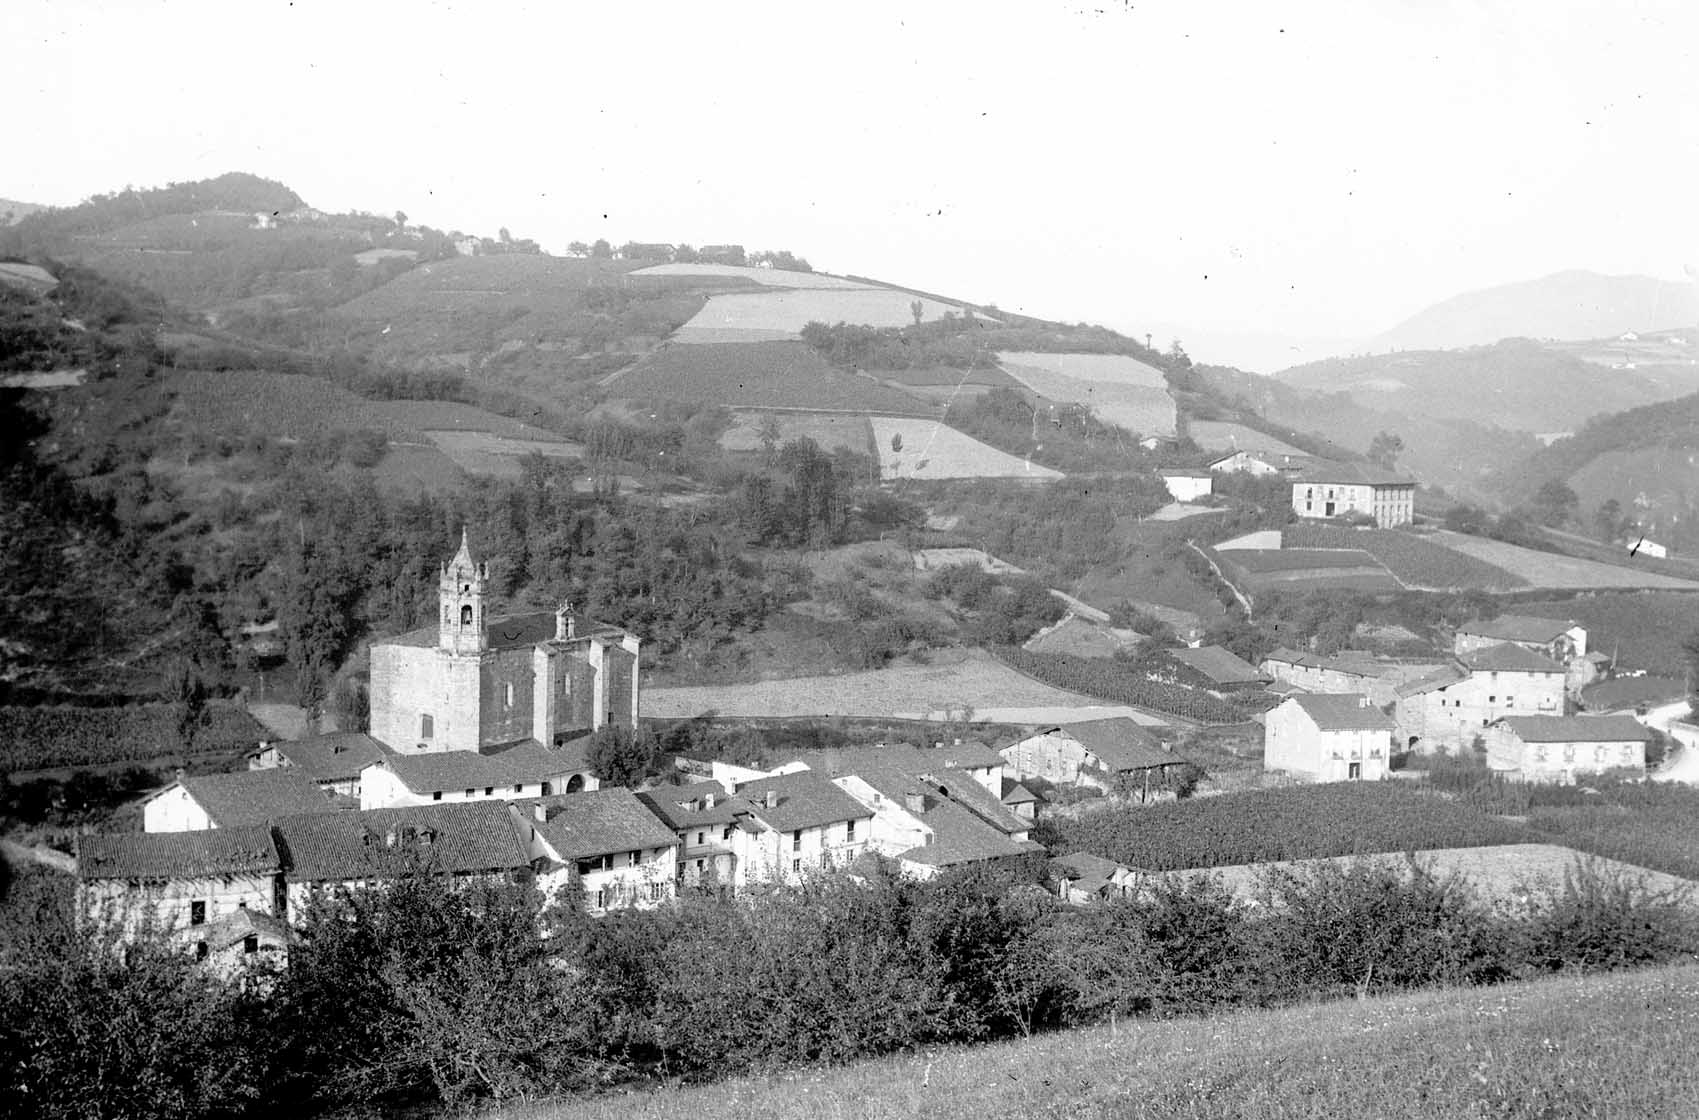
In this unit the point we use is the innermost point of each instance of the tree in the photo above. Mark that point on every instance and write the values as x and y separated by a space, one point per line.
621 756
578 248
917 309
401 219
1384 450
1555 504
1608 521
601 250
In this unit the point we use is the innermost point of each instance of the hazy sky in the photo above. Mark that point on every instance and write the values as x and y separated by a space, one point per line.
1317 168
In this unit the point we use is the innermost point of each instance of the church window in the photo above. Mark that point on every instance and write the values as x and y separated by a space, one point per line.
466 615
507 694
427 726
250 944
197 912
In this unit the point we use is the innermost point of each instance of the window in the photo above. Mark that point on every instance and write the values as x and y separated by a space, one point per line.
657 891
489 791
1492 699
727 835
796 840
470 792
201 950
437 795
825 860
1510 701
1569 752
251 944
632 859
796 866
1599 753
466 615
427 726
518 787
197 913
601 899
849 832
701 837
507 694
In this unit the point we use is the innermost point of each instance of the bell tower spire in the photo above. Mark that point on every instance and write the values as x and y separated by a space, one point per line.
461 592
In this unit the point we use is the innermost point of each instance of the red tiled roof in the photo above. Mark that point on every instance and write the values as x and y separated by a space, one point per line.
155 856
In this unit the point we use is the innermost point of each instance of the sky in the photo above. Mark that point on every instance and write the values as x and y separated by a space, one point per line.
1214 168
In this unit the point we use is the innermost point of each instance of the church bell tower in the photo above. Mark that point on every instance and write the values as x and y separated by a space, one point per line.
461 591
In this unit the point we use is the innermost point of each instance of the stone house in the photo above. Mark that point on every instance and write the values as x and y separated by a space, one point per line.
1562 640
1448 709
475 683
798 824
1218 669
234 800
1560 749
189 885
1328 738
1325 489
1313 672
607 843
1101 753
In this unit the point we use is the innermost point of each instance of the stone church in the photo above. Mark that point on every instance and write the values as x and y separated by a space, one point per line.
475 683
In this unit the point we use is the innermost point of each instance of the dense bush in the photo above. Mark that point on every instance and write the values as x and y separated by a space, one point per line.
39 738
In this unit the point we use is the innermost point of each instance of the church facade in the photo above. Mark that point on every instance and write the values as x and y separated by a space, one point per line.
475 683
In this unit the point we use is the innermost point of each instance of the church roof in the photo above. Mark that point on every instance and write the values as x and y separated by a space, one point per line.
517 631
206 854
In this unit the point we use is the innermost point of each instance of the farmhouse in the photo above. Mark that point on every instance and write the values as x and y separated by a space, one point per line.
474 683
1218 668
798 824
608 844
1258 464
1342 673
1558 748
1562 640
1328 737
703 817
246 797
1186 485
333 762
1100 753
1451 707
184 883
1325 489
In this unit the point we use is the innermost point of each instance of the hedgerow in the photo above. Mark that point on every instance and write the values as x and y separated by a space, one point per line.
1112 680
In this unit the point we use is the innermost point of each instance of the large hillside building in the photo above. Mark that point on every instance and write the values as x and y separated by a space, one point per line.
474 683
1326 489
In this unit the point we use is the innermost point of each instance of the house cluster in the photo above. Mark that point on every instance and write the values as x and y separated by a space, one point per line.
1320 488
477 766
1505 690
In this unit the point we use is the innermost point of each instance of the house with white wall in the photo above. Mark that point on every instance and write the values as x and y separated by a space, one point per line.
703 817
528 770
1562 748
1451 707
244 797
1098 753
799 824
332 762
1186 484
1328 737
607 843
1323 489
1562 640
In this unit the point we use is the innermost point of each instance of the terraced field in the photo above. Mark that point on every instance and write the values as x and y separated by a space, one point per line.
1219 435
1297 568
927 449
975 679
1547 569
755 375
767 277
482 453
1142 408
830 431
1420 560
1112 368
783 313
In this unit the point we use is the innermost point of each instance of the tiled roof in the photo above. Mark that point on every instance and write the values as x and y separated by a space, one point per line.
597 823
1078 864
339 756
1357 666
1121 744
1016 794
967 755
527 763
1352 474
1184 472
1577 729
1518 628
206 854
805 800
686 807
1443 677
1219 665
1508 658
961 837
246 797
459 838
1343 711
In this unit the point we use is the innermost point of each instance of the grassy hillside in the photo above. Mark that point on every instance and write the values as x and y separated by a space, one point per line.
1516 384
1606 1046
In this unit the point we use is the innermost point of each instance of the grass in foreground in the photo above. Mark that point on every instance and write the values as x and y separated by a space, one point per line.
1596 1047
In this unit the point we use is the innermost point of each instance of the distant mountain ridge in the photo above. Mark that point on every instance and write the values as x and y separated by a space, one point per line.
1573 305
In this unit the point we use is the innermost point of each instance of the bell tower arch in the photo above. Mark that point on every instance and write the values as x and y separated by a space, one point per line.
460 590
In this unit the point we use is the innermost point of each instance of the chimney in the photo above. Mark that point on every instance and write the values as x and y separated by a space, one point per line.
772 799
707 801
914 802
541 812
